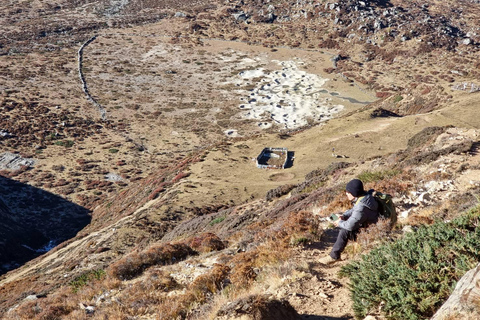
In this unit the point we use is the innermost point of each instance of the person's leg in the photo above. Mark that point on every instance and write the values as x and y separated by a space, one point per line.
341 243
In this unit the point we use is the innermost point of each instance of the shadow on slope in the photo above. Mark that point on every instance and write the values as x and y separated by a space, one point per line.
33 221
312 317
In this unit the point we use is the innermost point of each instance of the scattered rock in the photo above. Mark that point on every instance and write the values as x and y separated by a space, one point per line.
4 134
258 307
113 177
89 310
31 297
240 17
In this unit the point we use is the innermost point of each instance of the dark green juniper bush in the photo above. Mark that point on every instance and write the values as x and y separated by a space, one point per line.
413 276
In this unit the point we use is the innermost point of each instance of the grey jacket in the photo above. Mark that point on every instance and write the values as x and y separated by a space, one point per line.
364 212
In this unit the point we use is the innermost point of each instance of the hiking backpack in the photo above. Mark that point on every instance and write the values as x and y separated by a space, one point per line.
386 208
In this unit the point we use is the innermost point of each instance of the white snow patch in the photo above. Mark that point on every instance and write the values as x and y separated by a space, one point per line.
290 97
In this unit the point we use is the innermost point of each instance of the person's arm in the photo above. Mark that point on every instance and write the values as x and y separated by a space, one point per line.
353 221
347 214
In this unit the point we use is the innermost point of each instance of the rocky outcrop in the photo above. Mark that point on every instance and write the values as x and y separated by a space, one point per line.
463 302
13 161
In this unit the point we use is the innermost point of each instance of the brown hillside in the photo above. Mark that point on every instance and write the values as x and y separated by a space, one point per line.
129 132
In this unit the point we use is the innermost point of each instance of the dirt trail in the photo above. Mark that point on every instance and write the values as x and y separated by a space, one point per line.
322 295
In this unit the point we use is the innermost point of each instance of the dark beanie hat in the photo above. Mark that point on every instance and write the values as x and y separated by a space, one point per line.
355 187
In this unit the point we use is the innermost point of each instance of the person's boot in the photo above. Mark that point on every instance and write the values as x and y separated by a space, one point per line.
327 260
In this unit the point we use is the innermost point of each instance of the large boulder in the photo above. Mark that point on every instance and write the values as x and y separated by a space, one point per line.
464 302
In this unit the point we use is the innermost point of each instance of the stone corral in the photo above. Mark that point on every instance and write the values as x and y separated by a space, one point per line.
272 158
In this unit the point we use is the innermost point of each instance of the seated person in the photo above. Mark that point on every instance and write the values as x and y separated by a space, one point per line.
363 213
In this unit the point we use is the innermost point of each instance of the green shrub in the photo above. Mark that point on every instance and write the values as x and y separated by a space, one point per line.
217 220
296 241
86 277
370 176
397 98
415 275
53 136
113 150
65 143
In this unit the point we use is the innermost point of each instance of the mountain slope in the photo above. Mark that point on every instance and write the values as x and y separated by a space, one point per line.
180 220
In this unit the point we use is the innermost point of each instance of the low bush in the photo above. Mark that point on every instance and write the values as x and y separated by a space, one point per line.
145 296
279 191
206 242
397 98
300 228
243 275
86 277
217 220
370 176
135 263
413 276
157 191
53 312
65 143
336 201
179 176
369 237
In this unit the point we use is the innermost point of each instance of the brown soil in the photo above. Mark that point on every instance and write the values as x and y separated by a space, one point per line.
322 294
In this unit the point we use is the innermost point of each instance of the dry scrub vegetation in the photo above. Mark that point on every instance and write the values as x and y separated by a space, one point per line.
138 285
195 277
166 241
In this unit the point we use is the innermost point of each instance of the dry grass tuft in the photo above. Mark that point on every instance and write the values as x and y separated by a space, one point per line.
53 312
274 248
243 275
202 289
398 184
367 238
339 203
416 220
299 228
143 298
258 307
55 306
